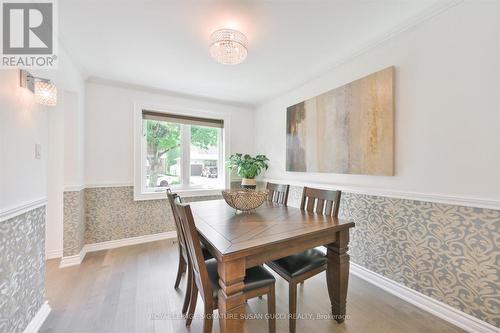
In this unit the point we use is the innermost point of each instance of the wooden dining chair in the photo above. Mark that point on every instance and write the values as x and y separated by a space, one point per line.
183 255
258 280
325 202
301 266
278 193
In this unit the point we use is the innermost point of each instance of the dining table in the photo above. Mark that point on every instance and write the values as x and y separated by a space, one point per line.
241 240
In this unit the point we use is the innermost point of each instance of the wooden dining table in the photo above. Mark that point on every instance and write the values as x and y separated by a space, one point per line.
242 240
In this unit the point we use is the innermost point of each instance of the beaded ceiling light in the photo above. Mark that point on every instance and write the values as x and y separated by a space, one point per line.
228 47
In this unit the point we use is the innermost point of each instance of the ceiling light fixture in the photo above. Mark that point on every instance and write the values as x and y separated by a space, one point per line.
44 90
228 46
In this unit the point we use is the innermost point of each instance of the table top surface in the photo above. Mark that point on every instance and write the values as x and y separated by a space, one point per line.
229 232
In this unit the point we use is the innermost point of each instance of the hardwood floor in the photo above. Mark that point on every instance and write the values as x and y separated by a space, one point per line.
130 289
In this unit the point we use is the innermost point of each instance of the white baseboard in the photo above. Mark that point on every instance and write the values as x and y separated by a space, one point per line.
38 319
77 259
437 308
73 260
53 254
129 241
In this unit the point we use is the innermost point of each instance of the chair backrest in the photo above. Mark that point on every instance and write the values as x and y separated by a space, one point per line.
196 259
278 193
325 202
172 198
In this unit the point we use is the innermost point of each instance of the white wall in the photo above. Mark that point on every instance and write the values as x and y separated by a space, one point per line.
447 107
23 123
109 142
64 147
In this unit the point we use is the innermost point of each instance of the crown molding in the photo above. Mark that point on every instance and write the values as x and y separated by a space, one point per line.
175 94
408 24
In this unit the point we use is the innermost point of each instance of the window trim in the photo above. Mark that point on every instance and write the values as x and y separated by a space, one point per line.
137 161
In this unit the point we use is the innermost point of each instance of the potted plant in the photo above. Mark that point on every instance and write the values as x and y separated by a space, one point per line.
248 168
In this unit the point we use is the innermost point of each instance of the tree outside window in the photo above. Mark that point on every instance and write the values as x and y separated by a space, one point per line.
164 163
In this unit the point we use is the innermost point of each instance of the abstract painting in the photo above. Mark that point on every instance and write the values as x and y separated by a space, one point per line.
349 129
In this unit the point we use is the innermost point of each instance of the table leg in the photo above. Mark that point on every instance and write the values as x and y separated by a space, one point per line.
337 274
231 299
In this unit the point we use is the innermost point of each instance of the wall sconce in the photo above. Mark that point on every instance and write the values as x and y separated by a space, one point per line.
44 90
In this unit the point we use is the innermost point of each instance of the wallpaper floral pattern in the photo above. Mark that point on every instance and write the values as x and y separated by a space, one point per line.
22 269
102 214
113 214
450 253
74 222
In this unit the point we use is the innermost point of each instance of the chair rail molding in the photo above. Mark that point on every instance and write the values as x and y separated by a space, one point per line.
397 194
439 309
111 184
22 208
74 188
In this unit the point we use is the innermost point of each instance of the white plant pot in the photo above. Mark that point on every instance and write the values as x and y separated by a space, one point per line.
248 183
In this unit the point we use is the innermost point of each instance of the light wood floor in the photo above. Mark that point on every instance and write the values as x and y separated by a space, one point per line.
130 289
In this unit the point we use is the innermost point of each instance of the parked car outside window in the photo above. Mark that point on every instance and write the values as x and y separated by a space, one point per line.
209 172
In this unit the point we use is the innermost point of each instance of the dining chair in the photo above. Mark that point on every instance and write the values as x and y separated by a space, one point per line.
183 255
301 266
258 280
278 193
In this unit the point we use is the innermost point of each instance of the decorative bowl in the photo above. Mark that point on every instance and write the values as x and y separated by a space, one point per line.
244 199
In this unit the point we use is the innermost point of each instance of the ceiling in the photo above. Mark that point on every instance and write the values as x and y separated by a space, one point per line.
164 44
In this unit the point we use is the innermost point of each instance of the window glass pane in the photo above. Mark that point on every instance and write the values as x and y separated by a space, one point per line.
204 166
163 154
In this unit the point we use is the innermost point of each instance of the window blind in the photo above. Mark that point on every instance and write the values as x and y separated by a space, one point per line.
182 119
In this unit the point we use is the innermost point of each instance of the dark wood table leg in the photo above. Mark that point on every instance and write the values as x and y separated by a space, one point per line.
231 299
337 274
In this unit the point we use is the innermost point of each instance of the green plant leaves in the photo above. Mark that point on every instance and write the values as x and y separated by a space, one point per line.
247 166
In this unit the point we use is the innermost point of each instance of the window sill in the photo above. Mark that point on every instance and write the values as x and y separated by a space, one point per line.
183 193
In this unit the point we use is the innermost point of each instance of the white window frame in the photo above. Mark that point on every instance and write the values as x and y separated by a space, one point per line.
139 157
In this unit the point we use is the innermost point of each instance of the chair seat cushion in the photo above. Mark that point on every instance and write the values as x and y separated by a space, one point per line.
299 263
255 277
206 254
321 249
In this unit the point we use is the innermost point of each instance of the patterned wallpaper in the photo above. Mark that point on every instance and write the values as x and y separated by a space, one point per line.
450 253
22 269
113 214
74 222
108 213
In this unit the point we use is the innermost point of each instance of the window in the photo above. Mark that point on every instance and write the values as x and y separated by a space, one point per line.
181 152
